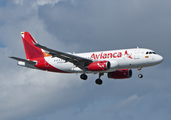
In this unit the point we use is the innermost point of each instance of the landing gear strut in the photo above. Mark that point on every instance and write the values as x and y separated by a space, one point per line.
83 76
140 75
99 81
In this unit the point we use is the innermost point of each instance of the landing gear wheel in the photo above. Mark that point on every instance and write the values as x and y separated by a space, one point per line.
83 76
139 70
99 81
140 76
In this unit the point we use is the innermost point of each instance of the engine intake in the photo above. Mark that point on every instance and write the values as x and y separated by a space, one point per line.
120 74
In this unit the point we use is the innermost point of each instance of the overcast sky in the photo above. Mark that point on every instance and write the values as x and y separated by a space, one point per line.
84 26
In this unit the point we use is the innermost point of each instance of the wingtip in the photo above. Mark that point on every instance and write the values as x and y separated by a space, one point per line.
10 57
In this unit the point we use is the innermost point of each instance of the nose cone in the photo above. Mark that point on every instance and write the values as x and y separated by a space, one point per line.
159 59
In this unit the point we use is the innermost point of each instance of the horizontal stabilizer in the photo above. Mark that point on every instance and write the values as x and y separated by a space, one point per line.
24 60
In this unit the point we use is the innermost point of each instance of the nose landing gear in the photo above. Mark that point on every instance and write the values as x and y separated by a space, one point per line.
140 75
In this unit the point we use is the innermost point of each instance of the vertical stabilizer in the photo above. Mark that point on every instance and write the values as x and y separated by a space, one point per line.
32 52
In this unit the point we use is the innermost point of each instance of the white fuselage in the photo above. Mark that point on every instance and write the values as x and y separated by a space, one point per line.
120 59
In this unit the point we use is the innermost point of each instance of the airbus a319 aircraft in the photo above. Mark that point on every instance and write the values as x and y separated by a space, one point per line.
116 63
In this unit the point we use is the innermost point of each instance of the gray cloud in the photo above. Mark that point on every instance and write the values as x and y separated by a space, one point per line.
117 22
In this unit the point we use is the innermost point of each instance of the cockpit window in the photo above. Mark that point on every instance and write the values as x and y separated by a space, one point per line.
150 53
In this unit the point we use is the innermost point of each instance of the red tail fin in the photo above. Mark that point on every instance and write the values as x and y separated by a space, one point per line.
32 52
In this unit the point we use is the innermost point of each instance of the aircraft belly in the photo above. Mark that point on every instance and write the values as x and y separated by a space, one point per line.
61 65
64 66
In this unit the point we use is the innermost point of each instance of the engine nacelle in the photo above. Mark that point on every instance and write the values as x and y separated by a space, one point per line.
120 74
113 64
99 66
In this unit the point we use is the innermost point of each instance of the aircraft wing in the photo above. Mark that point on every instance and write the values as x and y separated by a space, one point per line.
24 60
76 60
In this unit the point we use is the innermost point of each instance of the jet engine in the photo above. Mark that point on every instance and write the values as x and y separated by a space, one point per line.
120 74
99 66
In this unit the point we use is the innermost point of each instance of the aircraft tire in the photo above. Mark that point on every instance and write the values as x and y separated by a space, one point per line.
83 76
98 81
140 76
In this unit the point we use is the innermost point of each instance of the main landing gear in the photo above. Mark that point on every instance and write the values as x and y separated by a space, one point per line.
83 76
99 81
140 75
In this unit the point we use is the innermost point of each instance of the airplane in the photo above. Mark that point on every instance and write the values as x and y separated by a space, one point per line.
116 63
